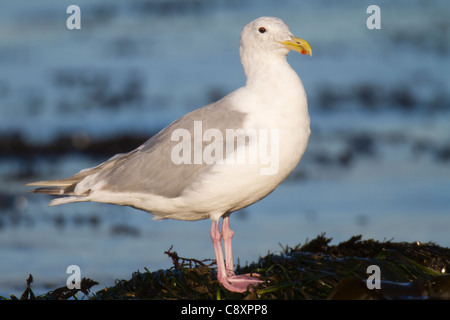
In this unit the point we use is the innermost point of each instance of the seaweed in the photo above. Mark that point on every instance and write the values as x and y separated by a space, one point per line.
314 270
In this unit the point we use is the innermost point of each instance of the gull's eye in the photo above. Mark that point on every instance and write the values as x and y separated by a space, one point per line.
262 30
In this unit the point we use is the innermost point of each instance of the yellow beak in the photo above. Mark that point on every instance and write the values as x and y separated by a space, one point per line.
298 45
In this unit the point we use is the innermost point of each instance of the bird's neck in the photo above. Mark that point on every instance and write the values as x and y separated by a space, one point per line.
264 71
274 77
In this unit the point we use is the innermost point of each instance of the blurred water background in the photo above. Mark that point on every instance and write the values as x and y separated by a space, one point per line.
378 161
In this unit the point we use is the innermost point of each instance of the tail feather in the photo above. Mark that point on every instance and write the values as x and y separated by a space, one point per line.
65 200
66 187
54 183
63 187
58 191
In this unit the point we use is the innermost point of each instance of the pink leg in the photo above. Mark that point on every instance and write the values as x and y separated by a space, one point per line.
216 239
227 237
226 276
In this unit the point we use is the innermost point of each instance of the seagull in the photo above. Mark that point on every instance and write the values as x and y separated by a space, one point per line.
217 159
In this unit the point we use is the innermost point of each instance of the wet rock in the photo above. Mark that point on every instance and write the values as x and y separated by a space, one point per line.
124 230
362 144
403 98
442 154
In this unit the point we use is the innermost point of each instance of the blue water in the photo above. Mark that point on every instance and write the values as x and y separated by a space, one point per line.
377 163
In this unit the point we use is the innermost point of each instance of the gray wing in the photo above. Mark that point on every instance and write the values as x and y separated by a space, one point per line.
150 169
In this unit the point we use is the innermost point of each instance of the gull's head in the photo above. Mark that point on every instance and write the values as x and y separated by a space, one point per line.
270 35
